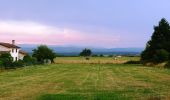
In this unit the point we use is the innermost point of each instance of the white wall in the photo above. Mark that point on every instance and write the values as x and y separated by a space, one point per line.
15 53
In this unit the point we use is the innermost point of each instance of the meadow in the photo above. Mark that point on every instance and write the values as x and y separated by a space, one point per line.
74 78
94 60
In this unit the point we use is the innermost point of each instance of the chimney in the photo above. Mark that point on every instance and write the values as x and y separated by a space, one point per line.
13 42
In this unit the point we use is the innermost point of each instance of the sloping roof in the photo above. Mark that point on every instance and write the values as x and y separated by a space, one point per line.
23 52
8 45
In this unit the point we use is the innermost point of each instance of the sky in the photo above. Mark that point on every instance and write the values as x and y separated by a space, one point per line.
88 23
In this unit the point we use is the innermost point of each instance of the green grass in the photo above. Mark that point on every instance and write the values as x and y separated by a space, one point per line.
85 82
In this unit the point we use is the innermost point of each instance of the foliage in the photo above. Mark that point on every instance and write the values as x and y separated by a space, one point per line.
6 60
18 64
133 62
28 60
159 45
42 53
1 63
7 63
86 52
161 56
167 65
101 55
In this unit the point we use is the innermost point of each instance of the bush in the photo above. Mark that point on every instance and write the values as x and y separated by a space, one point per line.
1 64
161 56
7 63
6 60
167 65
18 63
133 62
28 60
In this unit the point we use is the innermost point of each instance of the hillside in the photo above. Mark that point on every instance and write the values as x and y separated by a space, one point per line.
74 50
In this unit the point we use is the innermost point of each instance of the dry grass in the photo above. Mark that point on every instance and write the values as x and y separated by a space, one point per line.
94 60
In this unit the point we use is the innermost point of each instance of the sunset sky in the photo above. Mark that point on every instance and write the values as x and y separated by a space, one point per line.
95 23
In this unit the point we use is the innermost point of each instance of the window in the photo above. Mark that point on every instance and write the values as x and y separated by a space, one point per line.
12 50
16 58
16 50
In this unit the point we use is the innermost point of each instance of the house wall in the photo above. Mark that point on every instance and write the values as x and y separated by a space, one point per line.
2 48
15 54
21 56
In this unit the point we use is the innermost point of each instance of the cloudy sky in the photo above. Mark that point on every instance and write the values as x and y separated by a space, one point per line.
96 23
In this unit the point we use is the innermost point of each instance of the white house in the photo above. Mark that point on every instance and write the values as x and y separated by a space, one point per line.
14 50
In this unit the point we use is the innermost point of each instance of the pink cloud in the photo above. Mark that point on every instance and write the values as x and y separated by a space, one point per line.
36 33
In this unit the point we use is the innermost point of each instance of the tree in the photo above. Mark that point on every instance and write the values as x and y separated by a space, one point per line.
161 55
86 53
160 42
42 53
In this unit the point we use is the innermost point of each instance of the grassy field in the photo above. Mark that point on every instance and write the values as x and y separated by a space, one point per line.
90 81
94 60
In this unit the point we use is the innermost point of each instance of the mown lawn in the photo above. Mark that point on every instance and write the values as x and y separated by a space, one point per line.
85 82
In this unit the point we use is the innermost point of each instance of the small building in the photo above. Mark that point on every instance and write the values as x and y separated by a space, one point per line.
14 50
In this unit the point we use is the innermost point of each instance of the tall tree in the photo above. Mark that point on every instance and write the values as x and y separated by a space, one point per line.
159 45
43 52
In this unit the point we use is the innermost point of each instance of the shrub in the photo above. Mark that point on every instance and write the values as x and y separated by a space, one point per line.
34 61
18 63
167 65
28 60
6 60
87 58
133 62
101 55
1 64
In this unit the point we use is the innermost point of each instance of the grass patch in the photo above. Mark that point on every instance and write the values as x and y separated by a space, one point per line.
62 97
96 96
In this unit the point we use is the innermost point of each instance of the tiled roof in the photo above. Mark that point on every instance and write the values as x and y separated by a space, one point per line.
8 45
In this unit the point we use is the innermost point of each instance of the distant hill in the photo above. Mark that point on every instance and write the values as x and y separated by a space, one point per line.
73 51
